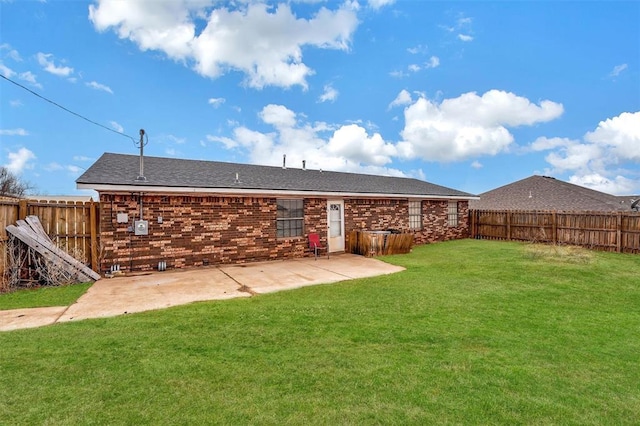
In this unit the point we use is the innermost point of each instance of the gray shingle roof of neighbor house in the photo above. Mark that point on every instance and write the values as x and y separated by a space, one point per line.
119 171
547 193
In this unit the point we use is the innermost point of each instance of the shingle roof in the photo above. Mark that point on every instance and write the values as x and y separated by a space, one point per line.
119 170
547 193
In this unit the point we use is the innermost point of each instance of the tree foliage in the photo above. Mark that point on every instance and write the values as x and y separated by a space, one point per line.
12 185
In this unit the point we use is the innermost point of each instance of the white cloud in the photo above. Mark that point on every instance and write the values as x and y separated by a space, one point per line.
11 53
30 78
216 102
46 61
56 167
465 37
544 143
6 71
598 159
397 74
15 103
617 70
403 98
14 132
53 167
116 126
98 86
418 49
353 142
377 4
476 165
433 62
263 42
82 158
329 95
618 185
414 67
346 148
469 125
74 170
18 161
621 136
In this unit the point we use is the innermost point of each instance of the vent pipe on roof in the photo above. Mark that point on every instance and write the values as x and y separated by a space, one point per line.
141 177
304 165
284 161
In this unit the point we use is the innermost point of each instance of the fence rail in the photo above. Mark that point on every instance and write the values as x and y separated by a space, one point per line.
606 231
73 226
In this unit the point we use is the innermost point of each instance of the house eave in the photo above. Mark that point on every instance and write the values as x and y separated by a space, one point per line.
262 192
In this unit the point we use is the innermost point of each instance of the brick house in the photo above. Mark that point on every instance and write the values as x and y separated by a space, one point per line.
192 213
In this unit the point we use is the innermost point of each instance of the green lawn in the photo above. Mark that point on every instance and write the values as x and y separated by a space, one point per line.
473 332
43 297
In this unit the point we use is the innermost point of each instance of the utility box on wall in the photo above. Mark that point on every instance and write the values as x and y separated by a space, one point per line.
141 227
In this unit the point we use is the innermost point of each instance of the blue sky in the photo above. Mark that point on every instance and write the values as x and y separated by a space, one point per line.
470 95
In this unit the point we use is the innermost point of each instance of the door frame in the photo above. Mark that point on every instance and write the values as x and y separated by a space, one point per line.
340 246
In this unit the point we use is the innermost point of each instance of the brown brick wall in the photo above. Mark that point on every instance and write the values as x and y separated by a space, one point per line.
381 215
204 230
435 222
200 230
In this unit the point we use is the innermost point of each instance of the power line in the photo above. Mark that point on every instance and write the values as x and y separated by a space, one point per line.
67 109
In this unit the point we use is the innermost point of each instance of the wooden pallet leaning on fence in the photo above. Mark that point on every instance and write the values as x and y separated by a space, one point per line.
31 232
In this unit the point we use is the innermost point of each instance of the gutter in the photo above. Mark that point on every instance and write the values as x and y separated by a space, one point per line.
264 192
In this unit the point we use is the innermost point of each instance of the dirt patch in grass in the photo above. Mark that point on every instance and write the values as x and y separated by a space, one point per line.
558 253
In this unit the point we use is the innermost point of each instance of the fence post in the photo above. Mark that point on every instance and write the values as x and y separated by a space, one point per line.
508 225
554 226
94 239
472 224
23 209
619 232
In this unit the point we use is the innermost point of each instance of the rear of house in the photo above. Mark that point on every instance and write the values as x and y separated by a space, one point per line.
193 213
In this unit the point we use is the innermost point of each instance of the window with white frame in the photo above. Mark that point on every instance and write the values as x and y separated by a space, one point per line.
452 213
415 214
290 218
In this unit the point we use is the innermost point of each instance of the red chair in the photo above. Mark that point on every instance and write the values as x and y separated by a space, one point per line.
314 244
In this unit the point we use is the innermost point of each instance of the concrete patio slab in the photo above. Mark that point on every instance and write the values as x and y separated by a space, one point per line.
138 293
158 290
16 319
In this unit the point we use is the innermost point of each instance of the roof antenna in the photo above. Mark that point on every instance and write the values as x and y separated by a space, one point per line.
143 141
284 161
304 164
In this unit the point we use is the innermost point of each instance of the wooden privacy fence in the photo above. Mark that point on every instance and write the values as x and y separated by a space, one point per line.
606 231
73 226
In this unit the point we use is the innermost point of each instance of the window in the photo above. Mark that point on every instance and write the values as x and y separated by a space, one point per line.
415 214
290 218
452 213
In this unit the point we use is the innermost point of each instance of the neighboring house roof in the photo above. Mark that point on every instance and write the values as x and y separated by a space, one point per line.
114 172
547 193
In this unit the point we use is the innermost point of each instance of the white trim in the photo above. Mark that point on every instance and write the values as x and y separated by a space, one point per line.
263 192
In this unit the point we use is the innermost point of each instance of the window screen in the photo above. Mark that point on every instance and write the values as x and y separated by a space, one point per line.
415 214
452 213
290 218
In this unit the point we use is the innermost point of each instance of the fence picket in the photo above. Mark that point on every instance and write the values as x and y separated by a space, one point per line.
606 231
72 225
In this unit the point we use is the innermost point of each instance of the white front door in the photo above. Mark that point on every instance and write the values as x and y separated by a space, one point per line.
335 223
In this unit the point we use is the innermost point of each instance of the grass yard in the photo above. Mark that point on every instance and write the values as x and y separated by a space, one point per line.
43 297
473 332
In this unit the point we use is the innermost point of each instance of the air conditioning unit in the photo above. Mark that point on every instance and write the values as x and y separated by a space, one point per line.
141 227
